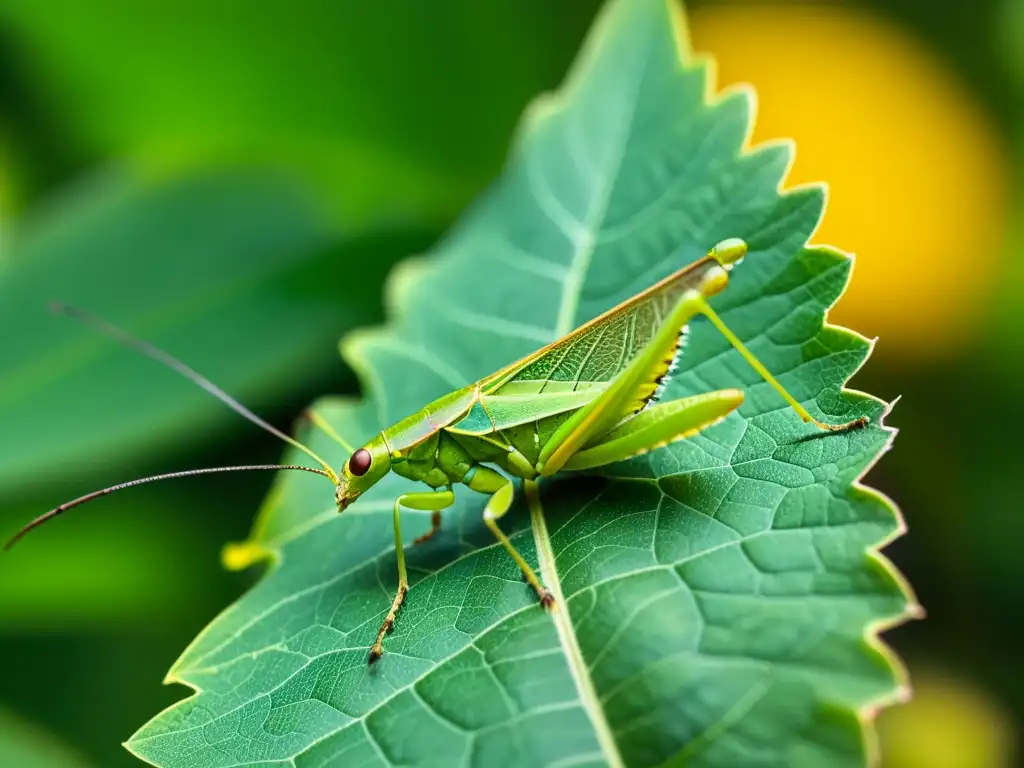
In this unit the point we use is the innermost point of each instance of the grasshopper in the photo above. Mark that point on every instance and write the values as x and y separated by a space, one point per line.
586 400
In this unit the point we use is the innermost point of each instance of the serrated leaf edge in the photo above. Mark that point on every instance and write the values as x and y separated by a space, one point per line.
402 279
873 630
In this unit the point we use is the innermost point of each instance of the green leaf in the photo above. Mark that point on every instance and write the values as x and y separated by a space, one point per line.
718 598
326 92
142 578
237 273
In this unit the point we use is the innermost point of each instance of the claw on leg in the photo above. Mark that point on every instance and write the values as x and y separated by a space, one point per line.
434 501
543 593
389 623
849 425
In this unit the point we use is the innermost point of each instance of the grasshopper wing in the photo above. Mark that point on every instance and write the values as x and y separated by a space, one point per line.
596 353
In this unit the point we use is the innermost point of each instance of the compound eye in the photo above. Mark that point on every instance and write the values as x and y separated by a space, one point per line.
359 463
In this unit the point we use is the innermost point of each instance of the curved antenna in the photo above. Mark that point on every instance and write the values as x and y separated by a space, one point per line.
141 481
160 356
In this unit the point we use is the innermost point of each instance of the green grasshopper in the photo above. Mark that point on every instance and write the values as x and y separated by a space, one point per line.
586 400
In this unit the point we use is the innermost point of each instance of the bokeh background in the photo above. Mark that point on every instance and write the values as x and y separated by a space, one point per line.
234 180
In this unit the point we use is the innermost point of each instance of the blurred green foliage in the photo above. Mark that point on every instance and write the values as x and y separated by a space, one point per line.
289 155
236 271
406 106
26 746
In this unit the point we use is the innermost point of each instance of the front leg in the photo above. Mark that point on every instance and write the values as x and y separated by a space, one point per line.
431 501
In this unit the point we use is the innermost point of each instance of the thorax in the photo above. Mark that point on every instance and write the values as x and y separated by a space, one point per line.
414 429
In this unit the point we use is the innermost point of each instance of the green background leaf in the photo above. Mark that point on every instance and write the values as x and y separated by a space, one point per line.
717 597
326 92
26 746
142 578
213 267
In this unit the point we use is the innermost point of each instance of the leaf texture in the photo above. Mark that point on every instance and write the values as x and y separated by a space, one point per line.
718 598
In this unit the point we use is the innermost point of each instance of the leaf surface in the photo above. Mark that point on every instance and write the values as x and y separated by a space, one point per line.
717 598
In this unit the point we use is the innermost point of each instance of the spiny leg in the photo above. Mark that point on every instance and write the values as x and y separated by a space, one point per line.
607 409
427 500
657 426
486 480
602 413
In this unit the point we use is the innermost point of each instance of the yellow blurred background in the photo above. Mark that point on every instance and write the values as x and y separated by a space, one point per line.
918 173
922 178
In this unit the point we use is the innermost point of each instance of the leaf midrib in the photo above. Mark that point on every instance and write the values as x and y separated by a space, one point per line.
567 634
566 320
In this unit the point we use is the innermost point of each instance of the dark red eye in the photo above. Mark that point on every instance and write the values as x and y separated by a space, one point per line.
360 462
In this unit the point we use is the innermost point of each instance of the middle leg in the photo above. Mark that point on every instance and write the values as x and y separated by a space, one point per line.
486 480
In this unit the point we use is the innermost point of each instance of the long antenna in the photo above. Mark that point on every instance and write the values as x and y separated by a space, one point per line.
142 480
160 356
